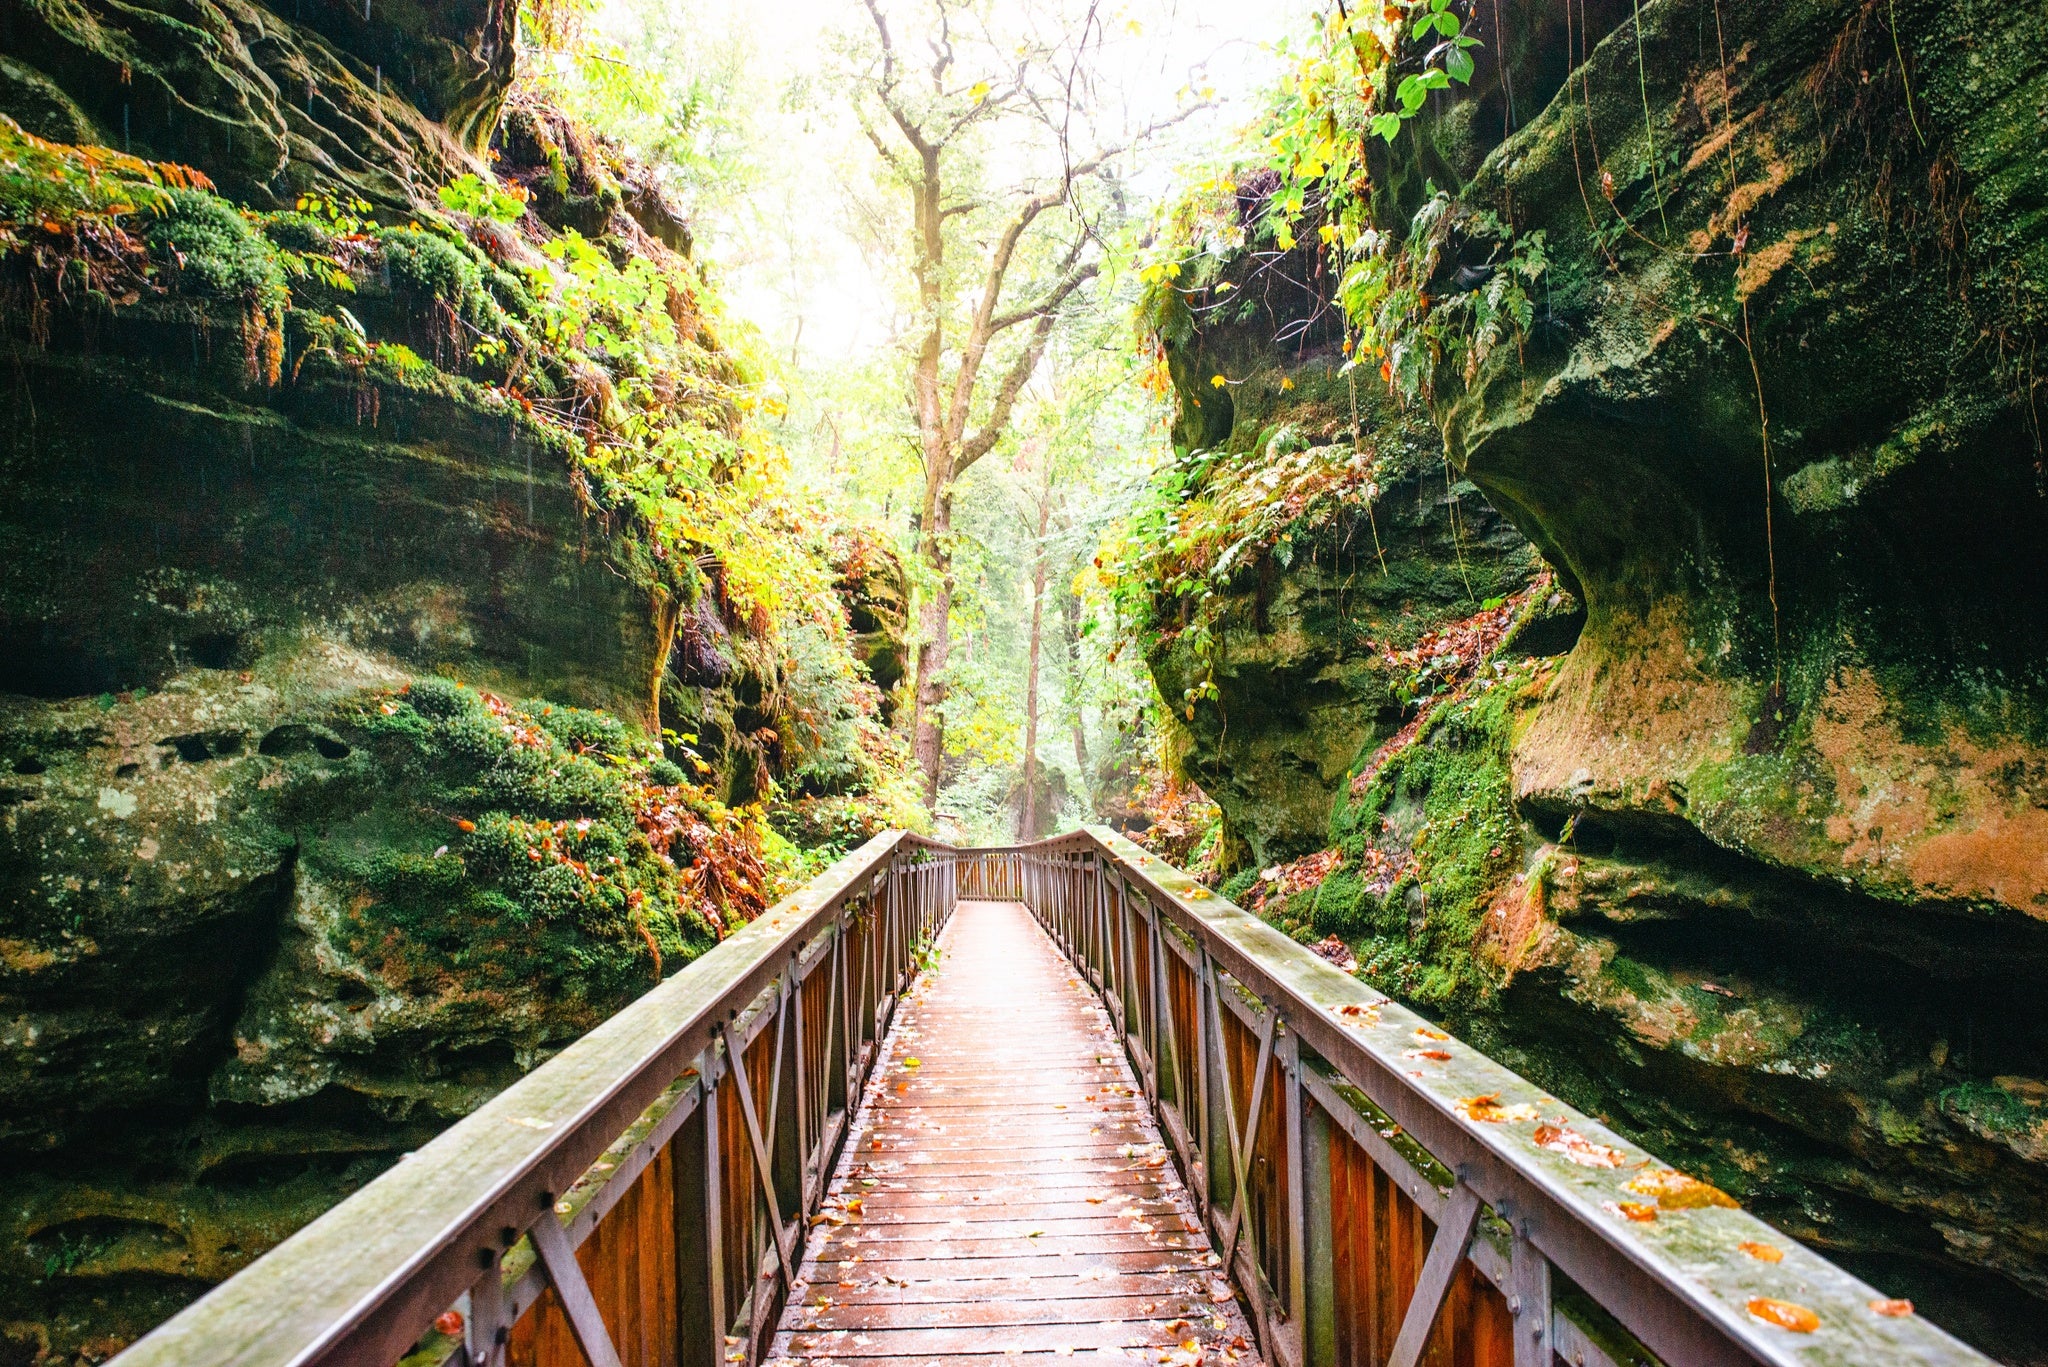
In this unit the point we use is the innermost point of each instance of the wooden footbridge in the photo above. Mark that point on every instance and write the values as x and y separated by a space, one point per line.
951 1107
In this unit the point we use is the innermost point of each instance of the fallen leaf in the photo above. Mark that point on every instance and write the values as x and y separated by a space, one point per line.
1784 1314
1434 1055
1630 1210
1424 1032
1675 1191
1892 1309
1763 1253
1575 1146
449 1322
1487 1109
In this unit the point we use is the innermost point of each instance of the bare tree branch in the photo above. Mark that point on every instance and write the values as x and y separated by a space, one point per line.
981 443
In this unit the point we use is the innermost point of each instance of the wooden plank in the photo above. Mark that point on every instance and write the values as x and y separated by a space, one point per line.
1082 1337
907 1293
1008 1194
998 1313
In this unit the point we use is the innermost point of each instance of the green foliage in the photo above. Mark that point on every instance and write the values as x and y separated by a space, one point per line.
471 194
218 250
513 851
1385 295
49 186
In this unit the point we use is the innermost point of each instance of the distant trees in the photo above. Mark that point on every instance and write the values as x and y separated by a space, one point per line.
993 135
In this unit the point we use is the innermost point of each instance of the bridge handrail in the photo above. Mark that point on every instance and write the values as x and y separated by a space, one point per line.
368 1279
1678 1279
538 1167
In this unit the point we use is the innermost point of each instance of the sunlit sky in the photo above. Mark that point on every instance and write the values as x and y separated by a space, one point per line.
787 258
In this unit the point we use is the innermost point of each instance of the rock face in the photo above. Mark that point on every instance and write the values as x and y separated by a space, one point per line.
875 586
1860 662
1760 868
298 97
1335 537
278 897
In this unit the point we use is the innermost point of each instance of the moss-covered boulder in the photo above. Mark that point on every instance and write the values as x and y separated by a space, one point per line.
1310 531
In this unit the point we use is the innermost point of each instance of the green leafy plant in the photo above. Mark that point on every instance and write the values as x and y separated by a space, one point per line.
471 194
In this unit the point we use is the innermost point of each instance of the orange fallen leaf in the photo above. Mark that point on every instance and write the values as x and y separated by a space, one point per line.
1630 1210
1892 1309
1434 1055
449 1322
1675 1191
1784 1314
1575 1146
1764 1253
1424 1032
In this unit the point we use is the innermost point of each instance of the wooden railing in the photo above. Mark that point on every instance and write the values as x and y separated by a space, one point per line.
1381 1193
1385 1194
638 1199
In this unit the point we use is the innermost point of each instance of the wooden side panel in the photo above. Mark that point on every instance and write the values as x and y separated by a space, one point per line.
1186 1038
629 1261
745 1235
1266 1166
1379 1238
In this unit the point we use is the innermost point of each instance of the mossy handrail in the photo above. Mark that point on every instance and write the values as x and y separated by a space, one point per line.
1571 1241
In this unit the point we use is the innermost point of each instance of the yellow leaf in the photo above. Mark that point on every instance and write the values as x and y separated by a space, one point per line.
978 91
1218 381
1286 382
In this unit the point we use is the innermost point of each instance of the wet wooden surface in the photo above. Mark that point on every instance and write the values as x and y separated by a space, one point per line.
1004 1192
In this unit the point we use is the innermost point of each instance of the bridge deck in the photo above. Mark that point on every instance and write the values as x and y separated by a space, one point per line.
1005 1191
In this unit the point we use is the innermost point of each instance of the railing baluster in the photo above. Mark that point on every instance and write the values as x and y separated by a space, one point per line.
801 1080
1446 1252
1529 1301
1241 1151
487 1326
701 1320
579 1307
1165 1038
735 1054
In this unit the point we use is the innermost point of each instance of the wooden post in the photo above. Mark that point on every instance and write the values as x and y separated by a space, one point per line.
1529 1300
701 1319
1316 1289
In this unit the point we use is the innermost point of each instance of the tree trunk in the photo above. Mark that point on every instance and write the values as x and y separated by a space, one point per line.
935 627
1029 830
1070 637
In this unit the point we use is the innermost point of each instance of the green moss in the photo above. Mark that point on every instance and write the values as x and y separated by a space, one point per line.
217 250
298 232
1990 1109
1340 904
498 842
426 267
1442 812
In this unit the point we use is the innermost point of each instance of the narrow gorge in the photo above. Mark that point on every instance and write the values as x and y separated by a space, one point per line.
1584 527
